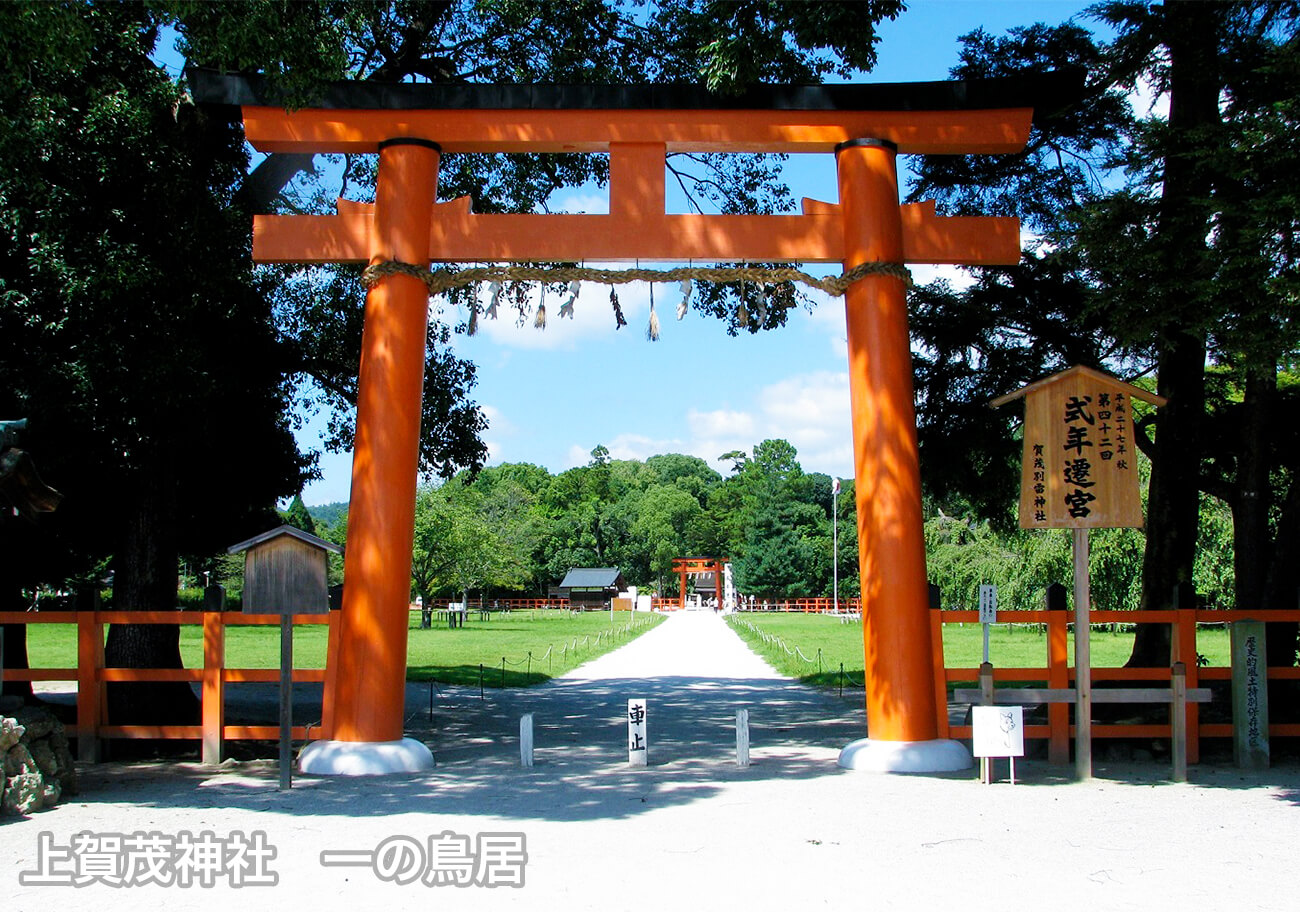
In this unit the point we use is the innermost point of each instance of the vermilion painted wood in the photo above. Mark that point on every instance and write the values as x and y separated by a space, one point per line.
537 130
368 702
901 703
458 235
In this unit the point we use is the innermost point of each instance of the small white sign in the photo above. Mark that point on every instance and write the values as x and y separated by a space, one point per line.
999 731
637 748
988 604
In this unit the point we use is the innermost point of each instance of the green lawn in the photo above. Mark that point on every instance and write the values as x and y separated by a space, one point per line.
532 645
815 645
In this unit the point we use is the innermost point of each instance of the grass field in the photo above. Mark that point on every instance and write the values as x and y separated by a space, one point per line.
821 643
515 649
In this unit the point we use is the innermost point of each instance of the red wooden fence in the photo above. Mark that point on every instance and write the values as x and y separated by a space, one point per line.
91 675
1058 672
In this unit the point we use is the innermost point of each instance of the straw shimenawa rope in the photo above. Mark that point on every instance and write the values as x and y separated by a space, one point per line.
441 281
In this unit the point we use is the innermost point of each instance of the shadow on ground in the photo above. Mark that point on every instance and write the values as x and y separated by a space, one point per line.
580 771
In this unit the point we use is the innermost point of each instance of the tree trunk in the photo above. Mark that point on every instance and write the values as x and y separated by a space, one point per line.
1173 506
1252 544
1190 34
144 579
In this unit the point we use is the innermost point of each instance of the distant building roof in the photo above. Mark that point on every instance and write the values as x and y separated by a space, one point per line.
285 530
591 578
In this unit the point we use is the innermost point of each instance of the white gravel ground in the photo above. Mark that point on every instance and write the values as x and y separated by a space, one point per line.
792 832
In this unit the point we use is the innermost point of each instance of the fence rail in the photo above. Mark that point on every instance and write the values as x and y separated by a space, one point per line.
92 675
804 605
1058 673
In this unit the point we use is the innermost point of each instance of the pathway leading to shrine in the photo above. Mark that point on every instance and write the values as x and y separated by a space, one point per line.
694 672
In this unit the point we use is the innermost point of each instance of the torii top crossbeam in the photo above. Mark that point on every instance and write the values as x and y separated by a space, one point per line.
638 126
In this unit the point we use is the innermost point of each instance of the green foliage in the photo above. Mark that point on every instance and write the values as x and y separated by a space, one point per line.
298 516
528 528
133 333
1172 238
466 541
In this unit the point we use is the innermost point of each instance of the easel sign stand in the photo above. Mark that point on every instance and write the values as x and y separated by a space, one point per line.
999 731
1079 472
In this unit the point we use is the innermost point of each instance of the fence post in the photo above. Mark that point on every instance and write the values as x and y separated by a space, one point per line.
1058 674
1178 719
331 674
940 665
1184 650
213 687
90 691
526 740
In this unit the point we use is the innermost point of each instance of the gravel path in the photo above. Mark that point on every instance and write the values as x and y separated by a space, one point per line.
792 832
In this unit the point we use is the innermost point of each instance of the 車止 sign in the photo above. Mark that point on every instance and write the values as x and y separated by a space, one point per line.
1079 469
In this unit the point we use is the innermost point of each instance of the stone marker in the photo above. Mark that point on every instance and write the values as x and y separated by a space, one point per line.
1249 696
637 747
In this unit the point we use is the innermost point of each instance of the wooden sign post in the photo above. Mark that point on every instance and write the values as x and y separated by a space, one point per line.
1079 472
286 572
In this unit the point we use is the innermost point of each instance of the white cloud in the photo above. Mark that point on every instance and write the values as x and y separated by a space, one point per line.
580 202
720 423
812 412
497 419
809 410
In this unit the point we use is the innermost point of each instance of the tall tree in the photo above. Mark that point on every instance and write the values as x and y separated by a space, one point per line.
133 332
1182 257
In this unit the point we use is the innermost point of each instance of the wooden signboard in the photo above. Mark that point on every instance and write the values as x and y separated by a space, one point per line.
286 571
1079 469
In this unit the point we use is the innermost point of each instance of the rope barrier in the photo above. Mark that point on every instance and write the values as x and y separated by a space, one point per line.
771 639
528 660
438 282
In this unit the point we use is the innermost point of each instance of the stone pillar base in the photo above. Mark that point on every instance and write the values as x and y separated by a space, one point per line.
937 756
364 758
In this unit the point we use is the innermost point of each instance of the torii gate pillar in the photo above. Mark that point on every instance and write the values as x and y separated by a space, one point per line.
901 710
368 713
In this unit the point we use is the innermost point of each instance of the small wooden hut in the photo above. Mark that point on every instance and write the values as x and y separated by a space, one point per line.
591 587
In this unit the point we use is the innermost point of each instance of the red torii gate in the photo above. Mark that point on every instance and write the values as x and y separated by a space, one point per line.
864 126
692 566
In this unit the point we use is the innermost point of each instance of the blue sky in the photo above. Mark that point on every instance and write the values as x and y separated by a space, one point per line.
553 395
